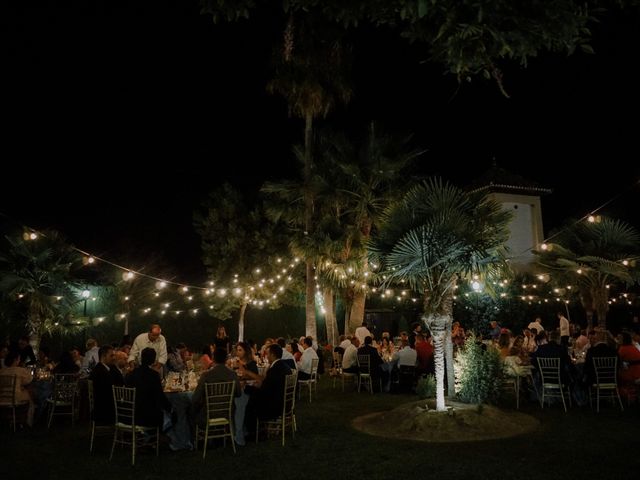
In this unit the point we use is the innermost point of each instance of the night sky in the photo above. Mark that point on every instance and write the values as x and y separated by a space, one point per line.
103 95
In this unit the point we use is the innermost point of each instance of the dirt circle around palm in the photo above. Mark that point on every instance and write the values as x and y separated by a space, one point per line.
462 423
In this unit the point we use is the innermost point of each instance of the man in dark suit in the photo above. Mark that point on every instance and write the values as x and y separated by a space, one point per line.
218 372
267 401
150 399
27 356
104 375
600 348
553 349
375 361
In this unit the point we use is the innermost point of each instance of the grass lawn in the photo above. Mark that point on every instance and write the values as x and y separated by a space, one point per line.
578 444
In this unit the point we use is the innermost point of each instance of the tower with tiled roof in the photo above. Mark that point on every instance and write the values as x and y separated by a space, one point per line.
522 197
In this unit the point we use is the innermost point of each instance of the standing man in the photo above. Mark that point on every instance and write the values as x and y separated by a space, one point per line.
152 339
564 330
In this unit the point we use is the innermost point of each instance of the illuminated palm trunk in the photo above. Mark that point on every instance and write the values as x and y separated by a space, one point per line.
437 324
330 317
357 310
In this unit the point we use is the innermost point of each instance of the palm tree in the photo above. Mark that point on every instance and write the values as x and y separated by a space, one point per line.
594 255
312 67
366 178
39 273
435 236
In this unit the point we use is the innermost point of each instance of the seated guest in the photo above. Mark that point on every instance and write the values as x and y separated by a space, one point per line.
629 366
104 375
23 378
424 354
307 357
27 355
248 369
581 343
43 360
219 372
553 349
287 356
76 355
150 399
406 355
386 349
267 401
343 343
529 341
66 364
246 359
375 360
205 358
600 348
91 356
122 362
494 330
174 358
504 345
295 350
350 357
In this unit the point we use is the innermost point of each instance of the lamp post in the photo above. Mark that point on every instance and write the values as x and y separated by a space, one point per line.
477 288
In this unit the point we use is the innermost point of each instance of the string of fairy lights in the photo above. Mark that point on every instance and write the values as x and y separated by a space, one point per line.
267 288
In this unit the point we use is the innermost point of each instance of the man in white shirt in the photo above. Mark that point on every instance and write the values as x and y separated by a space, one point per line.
344 342
564 330
350 357
308 355
91 357
362 332
152 339
406 355
537 324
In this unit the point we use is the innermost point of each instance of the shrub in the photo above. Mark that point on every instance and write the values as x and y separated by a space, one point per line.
480 372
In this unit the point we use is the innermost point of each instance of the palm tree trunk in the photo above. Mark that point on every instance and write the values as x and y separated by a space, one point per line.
310 301
310 311
330 317
35 329
243 309
360 296
601 306
447 307
437 324
357 310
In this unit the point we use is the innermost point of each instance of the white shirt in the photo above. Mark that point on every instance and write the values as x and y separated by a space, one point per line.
345 343
304 365
406 356
287 355
142 341
91 358
350 357
564 326
361 333
537 325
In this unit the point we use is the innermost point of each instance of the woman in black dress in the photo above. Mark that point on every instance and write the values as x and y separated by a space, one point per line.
222 340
